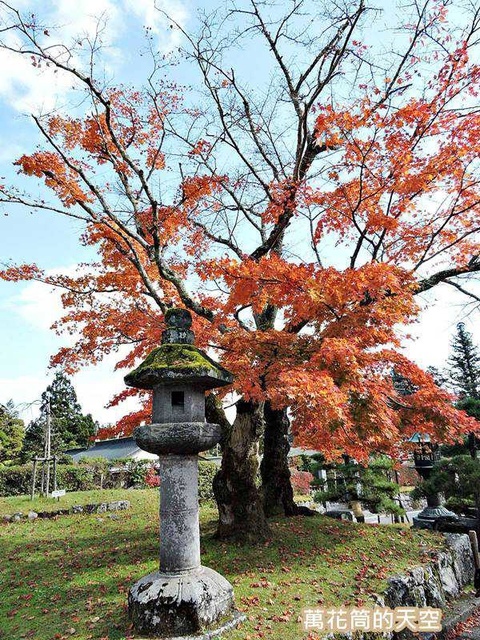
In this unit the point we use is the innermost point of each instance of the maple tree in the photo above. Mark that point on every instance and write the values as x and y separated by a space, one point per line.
305 220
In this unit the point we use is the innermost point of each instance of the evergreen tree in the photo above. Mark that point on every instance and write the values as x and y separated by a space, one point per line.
70 428
12 431
439 376
464 364
464 377
458 478
370 485
471 406
402 385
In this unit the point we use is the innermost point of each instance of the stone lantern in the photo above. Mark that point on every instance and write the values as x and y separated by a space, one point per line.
425 454
182 598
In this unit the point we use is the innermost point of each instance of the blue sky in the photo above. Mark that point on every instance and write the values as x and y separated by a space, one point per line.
27 310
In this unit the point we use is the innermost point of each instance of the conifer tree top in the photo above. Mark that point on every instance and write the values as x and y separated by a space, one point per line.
464 363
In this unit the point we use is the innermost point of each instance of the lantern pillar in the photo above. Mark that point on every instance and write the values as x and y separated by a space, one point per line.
183 597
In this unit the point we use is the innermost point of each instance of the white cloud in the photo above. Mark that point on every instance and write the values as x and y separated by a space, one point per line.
25 391
95 387
442 310
31 89
39 306
27 88
150 14
10 153
84 17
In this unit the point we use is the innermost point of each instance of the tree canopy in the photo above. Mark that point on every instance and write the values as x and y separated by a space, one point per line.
302 219
12 431
70 428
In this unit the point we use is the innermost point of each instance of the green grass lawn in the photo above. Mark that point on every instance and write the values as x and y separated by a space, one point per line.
69 577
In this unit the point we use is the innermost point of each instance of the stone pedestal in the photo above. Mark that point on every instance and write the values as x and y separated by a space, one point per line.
182 599
426 518
166 605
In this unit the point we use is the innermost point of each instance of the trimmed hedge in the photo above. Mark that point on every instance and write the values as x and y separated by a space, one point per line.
17 480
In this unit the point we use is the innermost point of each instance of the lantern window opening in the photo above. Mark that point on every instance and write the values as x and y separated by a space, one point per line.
178 399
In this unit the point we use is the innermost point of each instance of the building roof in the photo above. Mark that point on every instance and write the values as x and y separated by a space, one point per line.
117 448
109 449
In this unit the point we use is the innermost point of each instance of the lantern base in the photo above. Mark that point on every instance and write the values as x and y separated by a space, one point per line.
178 606
426 518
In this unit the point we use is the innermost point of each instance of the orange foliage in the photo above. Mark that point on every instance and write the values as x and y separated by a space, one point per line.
400 193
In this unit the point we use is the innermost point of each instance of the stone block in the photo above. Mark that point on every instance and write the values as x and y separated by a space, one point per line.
447 575
90 508
177 438
339 514
460 547
434 584
434 593
167 605
118 505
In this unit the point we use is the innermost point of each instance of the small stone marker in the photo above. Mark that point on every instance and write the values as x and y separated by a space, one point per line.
183 597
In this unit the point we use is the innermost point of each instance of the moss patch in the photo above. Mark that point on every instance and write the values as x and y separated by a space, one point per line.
176 361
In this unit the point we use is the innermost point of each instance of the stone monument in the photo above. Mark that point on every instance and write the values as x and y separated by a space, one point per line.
182 598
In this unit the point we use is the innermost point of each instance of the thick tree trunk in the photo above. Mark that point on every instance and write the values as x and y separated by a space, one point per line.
235 488
276 486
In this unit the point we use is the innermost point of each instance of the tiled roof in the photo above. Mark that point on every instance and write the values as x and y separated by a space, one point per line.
109 449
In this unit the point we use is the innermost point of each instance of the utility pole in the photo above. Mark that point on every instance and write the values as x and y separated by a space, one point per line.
48 445
47 456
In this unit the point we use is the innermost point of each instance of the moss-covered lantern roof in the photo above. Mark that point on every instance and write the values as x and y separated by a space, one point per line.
178 360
